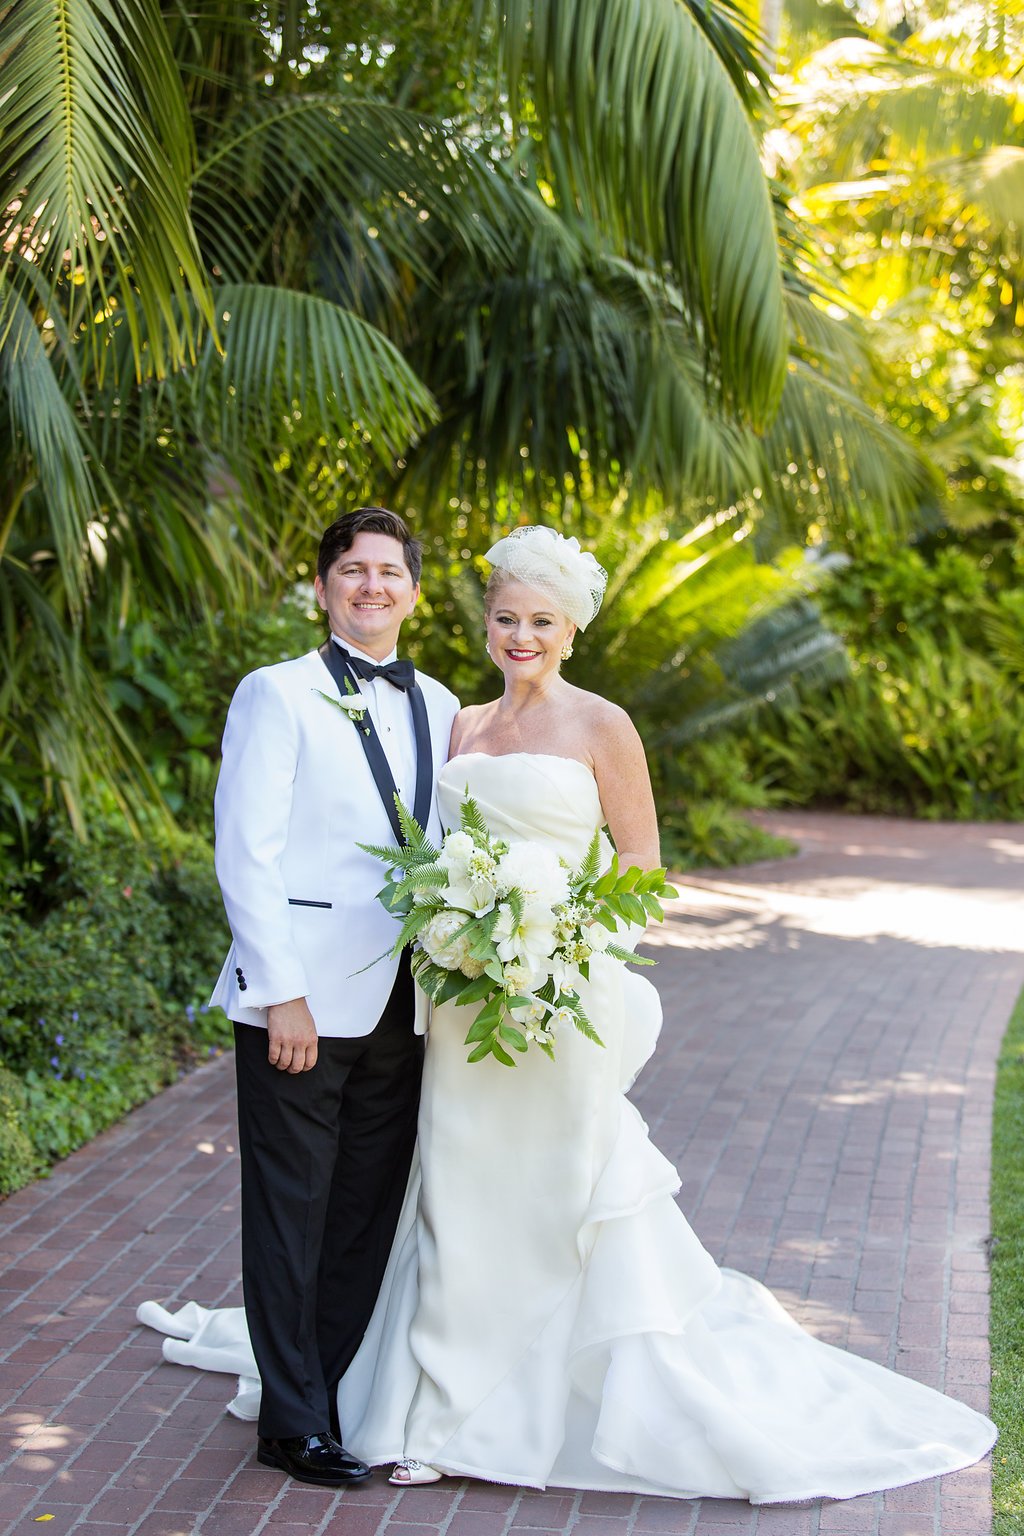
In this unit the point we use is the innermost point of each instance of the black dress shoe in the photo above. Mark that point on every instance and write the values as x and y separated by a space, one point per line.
316 1459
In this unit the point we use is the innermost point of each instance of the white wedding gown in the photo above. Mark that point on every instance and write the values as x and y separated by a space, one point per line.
548 1318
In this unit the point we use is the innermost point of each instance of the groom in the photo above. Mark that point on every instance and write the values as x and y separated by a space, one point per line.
328 1065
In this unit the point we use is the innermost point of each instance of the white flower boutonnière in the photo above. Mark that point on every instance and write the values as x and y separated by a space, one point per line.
354 705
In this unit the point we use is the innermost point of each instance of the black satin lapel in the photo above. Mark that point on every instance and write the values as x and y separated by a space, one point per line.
375 756
424 756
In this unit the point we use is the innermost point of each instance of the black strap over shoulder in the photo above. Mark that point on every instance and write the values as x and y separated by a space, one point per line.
338 667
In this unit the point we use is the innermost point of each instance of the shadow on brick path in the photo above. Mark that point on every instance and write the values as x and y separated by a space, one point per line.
823 1083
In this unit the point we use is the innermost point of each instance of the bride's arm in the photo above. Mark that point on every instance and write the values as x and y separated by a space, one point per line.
620 768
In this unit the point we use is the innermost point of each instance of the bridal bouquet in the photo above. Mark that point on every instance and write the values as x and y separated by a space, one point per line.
510 926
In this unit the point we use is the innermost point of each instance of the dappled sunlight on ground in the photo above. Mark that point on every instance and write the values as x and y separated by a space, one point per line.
726 914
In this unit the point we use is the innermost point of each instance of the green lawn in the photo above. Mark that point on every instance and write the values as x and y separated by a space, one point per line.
1007 1331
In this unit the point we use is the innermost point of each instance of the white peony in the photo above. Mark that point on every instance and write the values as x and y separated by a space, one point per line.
442 946
535 871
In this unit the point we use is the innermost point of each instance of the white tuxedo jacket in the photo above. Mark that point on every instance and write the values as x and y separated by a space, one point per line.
295 795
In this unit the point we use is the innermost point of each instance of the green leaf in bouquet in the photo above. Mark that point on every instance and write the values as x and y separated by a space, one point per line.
418 918
616 952
653 907
666 892
472 820
482 1050
494 970
501 1054
424 877
629 881
633 908
513 1037
591 865
547 1048
606 919
584 1025
584 969
389 855
606 884
450 987
475 991
417 841
483 1025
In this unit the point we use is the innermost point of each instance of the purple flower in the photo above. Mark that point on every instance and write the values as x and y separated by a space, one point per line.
80 1074
41 1023
58 1040
54 1061
204 1008
74 1017
212 1051
190 1013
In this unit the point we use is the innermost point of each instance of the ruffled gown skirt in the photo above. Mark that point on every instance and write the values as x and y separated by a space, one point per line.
549 1318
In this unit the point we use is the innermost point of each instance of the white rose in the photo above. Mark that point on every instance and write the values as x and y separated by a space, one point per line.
598 938
456 851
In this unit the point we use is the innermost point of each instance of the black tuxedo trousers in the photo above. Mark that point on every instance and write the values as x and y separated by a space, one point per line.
325 1158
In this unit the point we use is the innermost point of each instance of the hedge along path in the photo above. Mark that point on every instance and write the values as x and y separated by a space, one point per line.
824 1084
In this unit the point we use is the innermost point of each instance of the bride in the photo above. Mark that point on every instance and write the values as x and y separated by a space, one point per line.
548 1318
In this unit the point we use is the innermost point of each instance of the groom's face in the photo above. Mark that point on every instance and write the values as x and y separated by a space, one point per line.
368 594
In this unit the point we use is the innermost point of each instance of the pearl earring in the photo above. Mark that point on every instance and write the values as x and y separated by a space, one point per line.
567 650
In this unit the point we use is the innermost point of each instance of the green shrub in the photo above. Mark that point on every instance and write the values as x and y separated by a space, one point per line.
931 721
19 1159
111 948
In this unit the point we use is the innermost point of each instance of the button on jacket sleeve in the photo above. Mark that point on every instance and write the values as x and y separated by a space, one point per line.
252 810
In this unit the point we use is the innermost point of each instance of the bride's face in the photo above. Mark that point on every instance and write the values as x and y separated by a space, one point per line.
525 635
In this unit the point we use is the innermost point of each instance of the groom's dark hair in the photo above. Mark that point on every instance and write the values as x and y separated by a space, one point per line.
342 533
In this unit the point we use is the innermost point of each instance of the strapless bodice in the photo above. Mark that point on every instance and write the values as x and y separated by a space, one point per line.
534 795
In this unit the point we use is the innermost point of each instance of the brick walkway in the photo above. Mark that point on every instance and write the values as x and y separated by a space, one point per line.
824 1085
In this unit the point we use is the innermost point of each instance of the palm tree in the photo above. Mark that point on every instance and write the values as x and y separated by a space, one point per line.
242 283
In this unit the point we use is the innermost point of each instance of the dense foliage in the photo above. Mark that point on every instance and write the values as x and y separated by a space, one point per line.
759 347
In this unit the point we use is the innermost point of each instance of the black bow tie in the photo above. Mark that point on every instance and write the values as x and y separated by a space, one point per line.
400 674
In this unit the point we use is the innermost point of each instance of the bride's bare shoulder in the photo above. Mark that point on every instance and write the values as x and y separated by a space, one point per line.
601 715
467 723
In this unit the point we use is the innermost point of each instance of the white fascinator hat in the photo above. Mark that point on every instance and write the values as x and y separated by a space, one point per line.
568 576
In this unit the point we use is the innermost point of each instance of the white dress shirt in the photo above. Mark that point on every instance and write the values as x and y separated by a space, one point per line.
391 714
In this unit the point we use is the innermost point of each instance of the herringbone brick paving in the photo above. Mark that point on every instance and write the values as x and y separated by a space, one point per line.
824 1085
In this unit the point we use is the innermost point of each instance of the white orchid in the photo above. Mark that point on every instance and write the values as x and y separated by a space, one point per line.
531 940
566 976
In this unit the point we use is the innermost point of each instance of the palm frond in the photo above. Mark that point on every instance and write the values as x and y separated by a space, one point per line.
287 352
646 133
95 161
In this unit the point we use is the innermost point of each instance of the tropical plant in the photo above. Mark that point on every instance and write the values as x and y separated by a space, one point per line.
254 271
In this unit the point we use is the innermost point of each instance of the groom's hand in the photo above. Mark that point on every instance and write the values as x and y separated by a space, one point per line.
292 1036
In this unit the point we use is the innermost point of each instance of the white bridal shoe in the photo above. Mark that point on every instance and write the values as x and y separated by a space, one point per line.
408 1473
